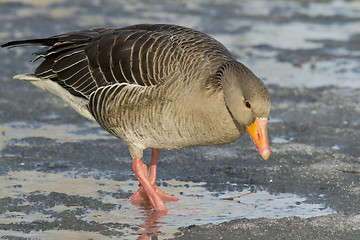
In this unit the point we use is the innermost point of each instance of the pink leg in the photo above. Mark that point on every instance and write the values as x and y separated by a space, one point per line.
152 176
153 165
141 196
141 173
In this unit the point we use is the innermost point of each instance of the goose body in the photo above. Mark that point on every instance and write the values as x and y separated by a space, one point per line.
154 86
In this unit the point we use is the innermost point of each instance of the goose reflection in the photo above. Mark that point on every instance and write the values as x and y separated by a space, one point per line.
152 220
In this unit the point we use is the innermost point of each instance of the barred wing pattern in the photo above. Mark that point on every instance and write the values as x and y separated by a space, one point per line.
145 55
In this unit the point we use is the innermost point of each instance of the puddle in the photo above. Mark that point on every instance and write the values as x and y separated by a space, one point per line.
58 132
43 198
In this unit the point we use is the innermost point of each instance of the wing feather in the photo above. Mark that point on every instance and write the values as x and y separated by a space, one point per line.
144 55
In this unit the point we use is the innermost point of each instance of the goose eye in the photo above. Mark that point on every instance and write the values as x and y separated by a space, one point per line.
247 104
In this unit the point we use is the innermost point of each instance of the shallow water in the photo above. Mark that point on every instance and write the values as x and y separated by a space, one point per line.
36 196
196 205
58 132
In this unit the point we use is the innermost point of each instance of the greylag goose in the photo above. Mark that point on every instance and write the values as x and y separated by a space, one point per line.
154 86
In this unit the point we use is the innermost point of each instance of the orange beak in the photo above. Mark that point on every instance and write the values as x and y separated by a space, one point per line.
258 134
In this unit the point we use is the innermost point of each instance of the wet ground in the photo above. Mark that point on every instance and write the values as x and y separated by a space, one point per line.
63 177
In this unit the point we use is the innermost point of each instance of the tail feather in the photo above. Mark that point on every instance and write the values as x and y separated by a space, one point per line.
79 104
27 77
71 37
55 47
30 42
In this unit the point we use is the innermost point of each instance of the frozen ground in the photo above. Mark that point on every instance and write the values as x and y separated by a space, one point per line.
63 177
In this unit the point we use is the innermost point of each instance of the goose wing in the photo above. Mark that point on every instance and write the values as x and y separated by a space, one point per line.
144 55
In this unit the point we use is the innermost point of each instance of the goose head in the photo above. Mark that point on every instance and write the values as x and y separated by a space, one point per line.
248 101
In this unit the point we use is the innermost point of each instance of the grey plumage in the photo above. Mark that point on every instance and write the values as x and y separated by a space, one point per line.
158 86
